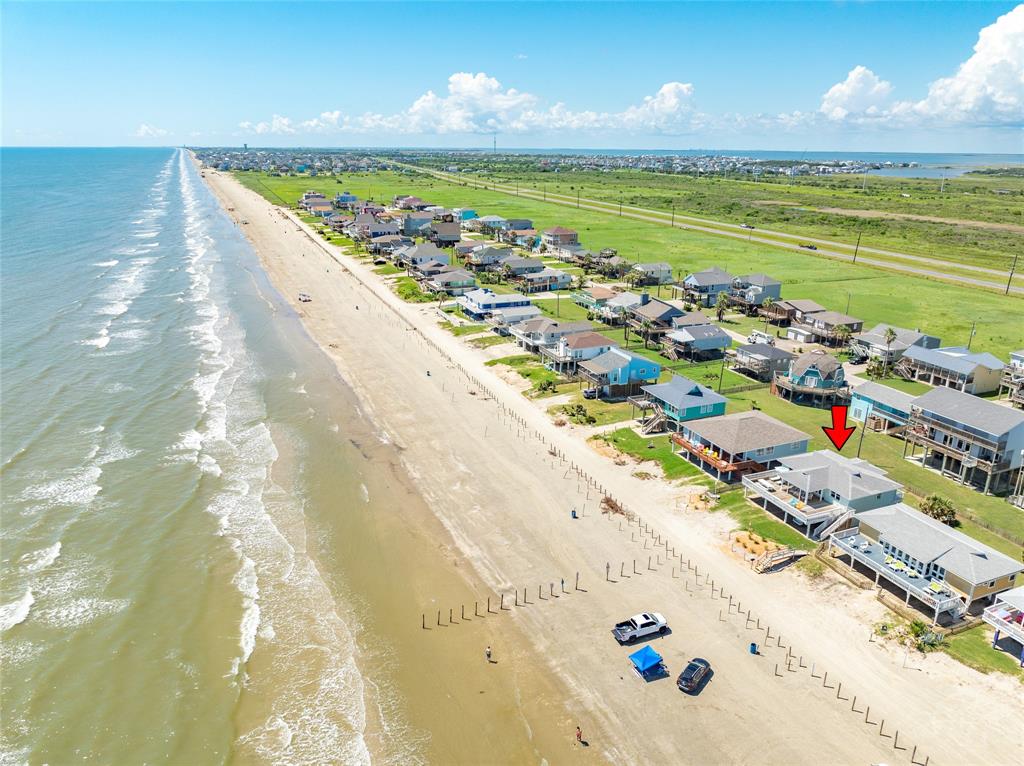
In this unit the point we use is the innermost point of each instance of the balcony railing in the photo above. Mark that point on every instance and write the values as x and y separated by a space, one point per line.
1004 617
768 485
708 455
869 553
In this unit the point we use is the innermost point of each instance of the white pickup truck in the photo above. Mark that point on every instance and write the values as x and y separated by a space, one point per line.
640 626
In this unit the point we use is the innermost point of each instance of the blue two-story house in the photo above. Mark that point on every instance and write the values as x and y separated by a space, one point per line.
480 304
666 405
618 373
703 287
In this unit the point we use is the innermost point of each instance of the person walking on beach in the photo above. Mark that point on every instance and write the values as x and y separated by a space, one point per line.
579 736
487 652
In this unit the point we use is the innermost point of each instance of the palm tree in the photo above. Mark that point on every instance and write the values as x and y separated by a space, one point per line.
646 326
721 305
842 335
939 508
766 307
890 336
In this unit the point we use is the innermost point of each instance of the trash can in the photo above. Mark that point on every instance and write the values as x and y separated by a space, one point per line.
574 513
753 648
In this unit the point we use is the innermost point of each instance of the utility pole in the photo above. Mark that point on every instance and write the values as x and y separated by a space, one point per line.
545 192
1013 268
863 428
673 215
721 373
577 199
849 296
620 206
857 248
974 327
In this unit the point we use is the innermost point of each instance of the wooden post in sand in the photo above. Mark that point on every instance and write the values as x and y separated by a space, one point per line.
577 581
424 621
438 616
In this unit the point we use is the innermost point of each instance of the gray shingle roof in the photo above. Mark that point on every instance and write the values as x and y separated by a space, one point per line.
851 478
762 280
699 332
745 431
764 351
690 318
929 540
826 364
980 414
682 393
876 337
712 276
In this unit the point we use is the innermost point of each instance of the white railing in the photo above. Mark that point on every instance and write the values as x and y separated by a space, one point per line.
809 514
996 616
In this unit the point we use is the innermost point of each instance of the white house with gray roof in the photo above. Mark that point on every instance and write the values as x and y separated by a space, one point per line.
751 290
534 334
925 560
651 274
879 407
820 492
703 287
1006 616
952 367
762 361
696 342
973 440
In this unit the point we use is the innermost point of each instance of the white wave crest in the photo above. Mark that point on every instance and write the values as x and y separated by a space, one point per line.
40 559
16 612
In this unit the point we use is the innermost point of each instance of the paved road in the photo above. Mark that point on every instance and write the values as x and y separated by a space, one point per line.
736 232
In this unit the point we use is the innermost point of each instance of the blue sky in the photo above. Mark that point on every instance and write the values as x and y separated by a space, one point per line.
870 76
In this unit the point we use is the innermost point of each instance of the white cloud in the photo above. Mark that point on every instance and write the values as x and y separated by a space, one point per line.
521 57
988 88
146 130
861 93
478 103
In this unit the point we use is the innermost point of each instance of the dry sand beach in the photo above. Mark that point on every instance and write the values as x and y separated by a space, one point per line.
479 453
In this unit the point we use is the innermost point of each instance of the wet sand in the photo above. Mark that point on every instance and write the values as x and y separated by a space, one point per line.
478 454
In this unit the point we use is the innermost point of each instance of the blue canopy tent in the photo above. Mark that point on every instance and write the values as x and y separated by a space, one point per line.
648 663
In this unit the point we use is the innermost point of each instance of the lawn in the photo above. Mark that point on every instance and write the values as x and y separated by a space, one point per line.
753 519
458 330
487 341
528 366
908 386
973 648
561 308
409 291
873 294
628 441
603 412
388 269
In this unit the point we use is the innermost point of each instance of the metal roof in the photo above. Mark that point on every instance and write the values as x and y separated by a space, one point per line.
955 358
890 397
682 393
969 410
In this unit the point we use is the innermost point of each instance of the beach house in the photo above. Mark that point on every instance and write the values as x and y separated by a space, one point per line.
617 308
517 266
954 367
481 303
504 319
488 257
700 341
451 280
880 408
750 291
814 378
557 237
650 274
592 298
665 406
569 350
416 224
729 446
535 334
617 373
784 312
823 327
703 287
820 492
1011 384
873 344
762 361
940 569
973 440
415 255
652 317
545 280
444 233
1006 616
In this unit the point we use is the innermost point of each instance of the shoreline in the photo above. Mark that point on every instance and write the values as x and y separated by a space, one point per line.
508 549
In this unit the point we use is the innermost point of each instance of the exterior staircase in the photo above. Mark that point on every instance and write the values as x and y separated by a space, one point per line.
830 526
768 560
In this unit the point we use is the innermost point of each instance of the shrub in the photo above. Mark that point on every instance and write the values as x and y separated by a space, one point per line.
939 508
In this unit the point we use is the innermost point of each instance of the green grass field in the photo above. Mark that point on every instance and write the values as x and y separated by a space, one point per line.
753 519
973 648
640 447
873 294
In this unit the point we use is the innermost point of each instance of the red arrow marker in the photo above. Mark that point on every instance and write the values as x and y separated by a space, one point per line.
838 434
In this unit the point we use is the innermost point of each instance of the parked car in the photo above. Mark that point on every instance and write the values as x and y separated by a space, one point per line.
693 674
640 626
756 336
807 246
590 393
746 226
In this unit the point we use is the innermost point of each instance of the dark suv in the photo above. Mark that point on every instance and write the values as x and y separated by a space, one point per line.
690 679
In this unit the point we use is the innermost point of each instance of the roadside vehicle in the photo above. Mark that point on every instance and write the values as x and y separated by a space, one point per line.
756 336
693 674
640 626
746 226
807 246
589 393
305 297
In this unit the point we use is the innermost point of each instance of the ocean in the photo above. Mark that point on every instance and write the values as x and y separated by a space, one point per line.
181 473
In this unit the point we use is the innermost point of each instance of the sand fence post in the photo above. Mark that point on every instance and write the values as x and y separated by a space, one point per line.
577 581
450 620
463 611
438 616
424 621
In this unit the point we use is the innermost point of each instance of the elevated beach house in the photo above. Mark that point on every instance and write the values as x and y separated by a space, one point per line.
824 327
819 492
481 303
618 308
973 440
873 344
451 280
665 406
880 408
703 287
953 367
504 319
417 224
488 257
1006 616
592 298
750 291
415 255
814 378
545 280
618 373
653 317
650 274
762 361
565 355
786 312
1011 384
944 571
557 237
534 334
703 341
729 446
445 233
517 266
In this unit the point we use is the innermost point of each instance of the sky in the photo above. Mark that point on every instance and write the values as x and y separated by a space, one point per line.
817 76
